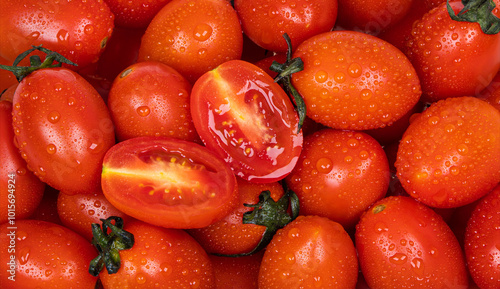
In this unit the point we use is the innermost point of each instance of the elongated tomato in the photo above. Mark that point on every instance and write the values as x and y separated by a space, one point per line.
168 182
246 118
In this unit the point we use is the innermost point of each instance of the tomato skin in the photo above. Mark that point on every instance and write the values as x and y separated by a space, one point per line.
134 14
481 241
7 78
63 129
311 252
168 182
402 243
163 258
46 256
75 29
332 174
450 154
188 37
468 58
491 94
159 108
265 21
21 191
241 272
355 81
248 120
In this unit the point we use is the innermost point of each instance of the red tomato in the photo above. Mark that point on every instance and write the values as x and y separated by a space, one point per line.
47 210
452 58
135 14
482 235
450 154
21 191
76 29
309 252
159 108
193 37
332 174
7 78
238 273
248 120
355 81
168 182
265 21
163 258
404 244
38 254
491 93
63 129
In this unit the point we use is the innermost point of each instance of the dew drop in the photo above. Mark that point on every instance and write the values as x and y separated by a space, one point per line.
165 268
24 255
462 149
202 32
321 76
290 259
21 235
202 52
381 227
140 278
71 101
339 77
417 265
53 116
293 233
433 120
324 165
48 273
143 110
34 35
91 212
398 259
62 35
88 29
51 149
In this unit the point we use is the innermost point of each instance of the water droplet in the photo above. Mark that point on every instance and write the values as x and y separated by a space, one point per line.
34 96
462 149
62 35
71 101
321 76
143 110
140 278
21 235
324 165
417 265
354 70
53 116
398 259
293 233
366 94
78 45
202 32
48 273
339 77
91 212
51 149
290 258
88 29
381 227
24 255
202 52
433 120
165 268
34 35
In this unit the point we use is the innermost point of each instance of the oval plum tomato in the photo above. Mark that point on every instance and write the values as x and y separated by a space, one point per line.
355 81
38 254
78 30
229 235
159 108
450 154
452 58
240 273
161 258
21 190
245 117
309 252
404 244
332 174
265 21
168 182
63 129
482 234
193 37
135 14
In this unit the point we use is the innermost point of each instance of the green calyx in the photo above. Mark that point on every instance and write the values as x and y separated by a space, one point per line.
52 59
109 245
479 11
284 78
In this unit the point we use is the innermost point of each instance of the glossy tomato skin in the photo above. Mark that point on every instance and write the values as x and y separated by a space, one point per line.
491 93
450 154
452 58
159 108
242 115
76 29
134 14
46 256
266 21
63 129
481 241
21 190
193 37
161 258
168 182
352 80
309 252
402 243
240 273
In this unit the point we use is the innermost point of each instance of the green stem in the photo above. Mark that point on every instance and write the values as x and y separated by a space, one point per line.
478 11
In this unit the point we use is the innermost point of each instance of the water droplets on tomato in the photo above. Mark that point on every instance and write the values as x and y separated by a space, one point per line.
202 32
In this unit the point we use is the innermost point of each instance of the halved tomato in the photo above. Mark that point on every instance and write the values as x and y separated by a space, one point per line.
168 182
243 116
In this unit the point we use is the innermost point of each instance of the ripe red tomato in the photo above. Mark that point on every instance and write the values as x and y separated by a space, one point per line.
450 154
482 235
452 58
193 37
248 120
7 78
21 191
63 129
168 182
38 254
159 108
163 258
76 29
332 174
135 14
404 244
491 93
355 81
265 21
309 252
241 272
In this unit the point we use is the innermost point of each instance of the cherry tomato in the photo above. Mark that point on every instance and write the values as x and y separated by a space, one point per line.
63 129
450 154
248 120
168 182
241 272
404 244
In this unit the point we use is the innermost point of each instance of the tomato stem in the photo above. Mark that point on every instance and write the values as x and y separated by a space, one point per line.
479 11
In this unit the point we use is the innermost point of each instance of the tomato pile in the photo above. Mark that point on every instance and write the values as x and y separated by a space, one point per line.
250 144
